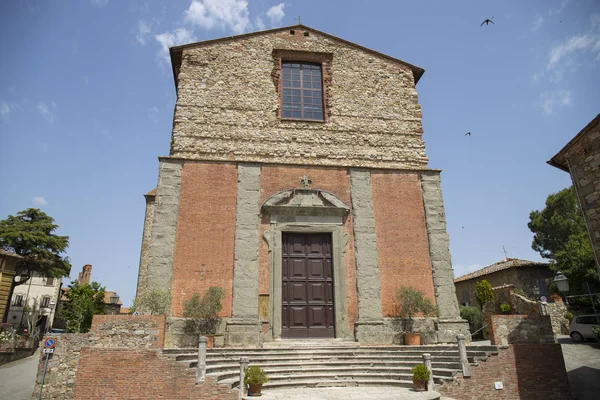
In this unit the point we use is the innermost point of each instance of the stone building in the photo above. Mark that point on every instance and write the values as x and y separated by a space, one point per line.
8 262
581 159
297 181
533 278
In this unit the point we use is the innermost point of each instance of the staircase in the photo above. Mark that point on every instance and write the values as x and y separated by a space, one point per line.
332 364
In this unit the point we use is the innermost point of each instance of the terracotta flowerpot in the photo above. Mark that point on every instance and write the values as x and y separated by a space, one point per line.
419 385
412 339
254 390
211 341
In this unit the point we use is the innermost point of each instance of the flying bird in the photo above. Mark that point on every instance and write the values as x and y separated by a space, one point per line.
487 22
468 134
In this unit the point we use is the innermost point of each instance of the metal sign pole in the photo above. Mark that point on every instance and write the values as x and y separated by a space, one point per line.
43 376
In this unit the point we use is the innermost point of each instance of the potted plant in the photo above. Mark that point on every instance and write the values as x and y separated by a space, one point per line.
202 315
409 303
505 308
255 377
420 377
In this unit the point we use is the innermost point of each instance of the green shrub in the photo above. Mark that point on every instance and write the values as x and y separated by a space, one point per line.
568 315
420 372
596 330
255 375
410 302
473 316
505 308
153 301
202 315
484 293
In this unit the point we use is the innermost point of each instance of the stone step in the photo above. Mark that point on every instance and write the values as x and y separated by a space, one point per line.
362 392
331 364
310 343
344 372
322 357
209 354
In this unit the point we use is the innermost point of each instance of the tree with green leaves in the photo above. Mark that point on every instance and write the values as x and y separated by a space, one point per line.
203 315
152 301
484 292
560 235
83 302
31 234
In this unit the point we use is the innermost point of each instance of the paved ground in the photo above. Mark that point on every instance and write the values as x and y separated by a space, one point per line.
347 393
582 361
17 378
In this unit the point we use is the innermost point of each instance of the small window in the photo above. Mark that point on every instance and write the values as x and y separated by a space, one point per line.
302 91
45 301
465 297
18 300
50 281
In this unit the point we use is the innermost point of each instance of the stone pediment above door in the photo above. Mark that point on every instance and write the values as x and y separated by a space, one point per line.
305 202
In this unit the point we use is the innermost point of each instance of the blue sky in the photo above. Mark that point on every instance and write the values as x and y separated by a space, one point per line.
87 96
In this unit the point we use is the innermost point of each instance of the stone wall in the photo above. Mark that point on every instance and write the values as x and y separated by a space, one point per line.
140 374
228 109
146 236
584 163
107 332
510 329
527 372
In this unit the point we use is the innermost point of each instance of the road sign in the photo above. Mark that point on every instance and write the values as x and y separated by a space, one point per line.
49 343
543 299
135 314
48 351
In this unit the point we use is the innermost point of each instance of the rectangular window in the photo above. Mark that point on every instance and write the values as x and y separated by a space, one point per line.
465 297
45 301
18 300
302 91
50 281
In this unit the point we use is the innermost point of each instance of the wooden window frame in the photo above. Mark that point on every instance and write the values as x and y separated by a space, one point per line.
301 88
323 59
45 303
18 302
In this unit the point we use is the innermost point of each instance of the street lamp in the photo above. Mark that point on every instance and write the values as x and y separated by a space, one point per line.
562 283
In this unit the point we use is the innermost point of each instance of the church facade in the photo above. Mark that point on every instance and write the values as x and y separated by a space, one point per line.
297 181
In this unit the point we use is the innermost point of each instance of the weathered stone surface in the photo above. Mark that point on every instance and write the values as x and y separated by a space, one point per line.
227 109
146 239
365 243
164 225
439 247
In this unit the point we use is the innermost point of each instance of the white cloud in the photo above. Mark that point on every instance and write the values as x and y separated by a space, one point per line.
39 201
223 14
537 77
559 9
153 114
143 30
259 23
99 3
537 23
170 39
47 111
550 101
276 14
463 269
580 43
5 109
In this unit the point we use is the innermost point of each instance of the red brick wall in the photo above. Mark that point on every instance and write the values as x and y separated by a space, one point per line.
99 322
528 372
205 233
276 178
402 243
140 374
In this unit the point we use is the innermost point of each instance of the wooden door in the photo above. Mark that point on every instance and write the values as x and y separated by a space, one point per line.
307 309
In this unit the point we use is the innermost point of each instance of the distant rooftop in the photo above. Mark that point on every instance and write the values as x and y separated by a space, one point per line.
499 266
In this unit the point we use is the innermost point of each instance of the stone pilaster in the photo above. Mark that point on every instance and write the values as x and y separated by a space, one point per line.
146 239
161 249
370 327
450 324
244 326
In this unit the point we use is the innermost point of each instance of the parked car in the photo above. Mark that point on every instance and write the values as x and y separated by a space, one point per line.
55 331
581 327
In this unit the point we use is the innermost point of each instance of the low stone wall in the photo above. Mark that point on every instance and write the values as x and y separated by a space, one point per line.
557 311
108 331
140 374
509 329
15 354
527 372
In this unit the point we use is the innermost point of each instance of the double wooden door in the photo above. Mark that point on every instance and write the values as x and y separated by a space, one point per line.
307 308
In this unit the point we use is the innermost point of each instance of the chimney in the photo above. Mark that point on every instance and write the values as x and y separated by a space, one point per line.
85 275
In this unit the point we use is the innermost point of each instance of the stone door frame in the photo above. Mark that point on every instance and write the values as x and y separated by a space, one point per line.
339 241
